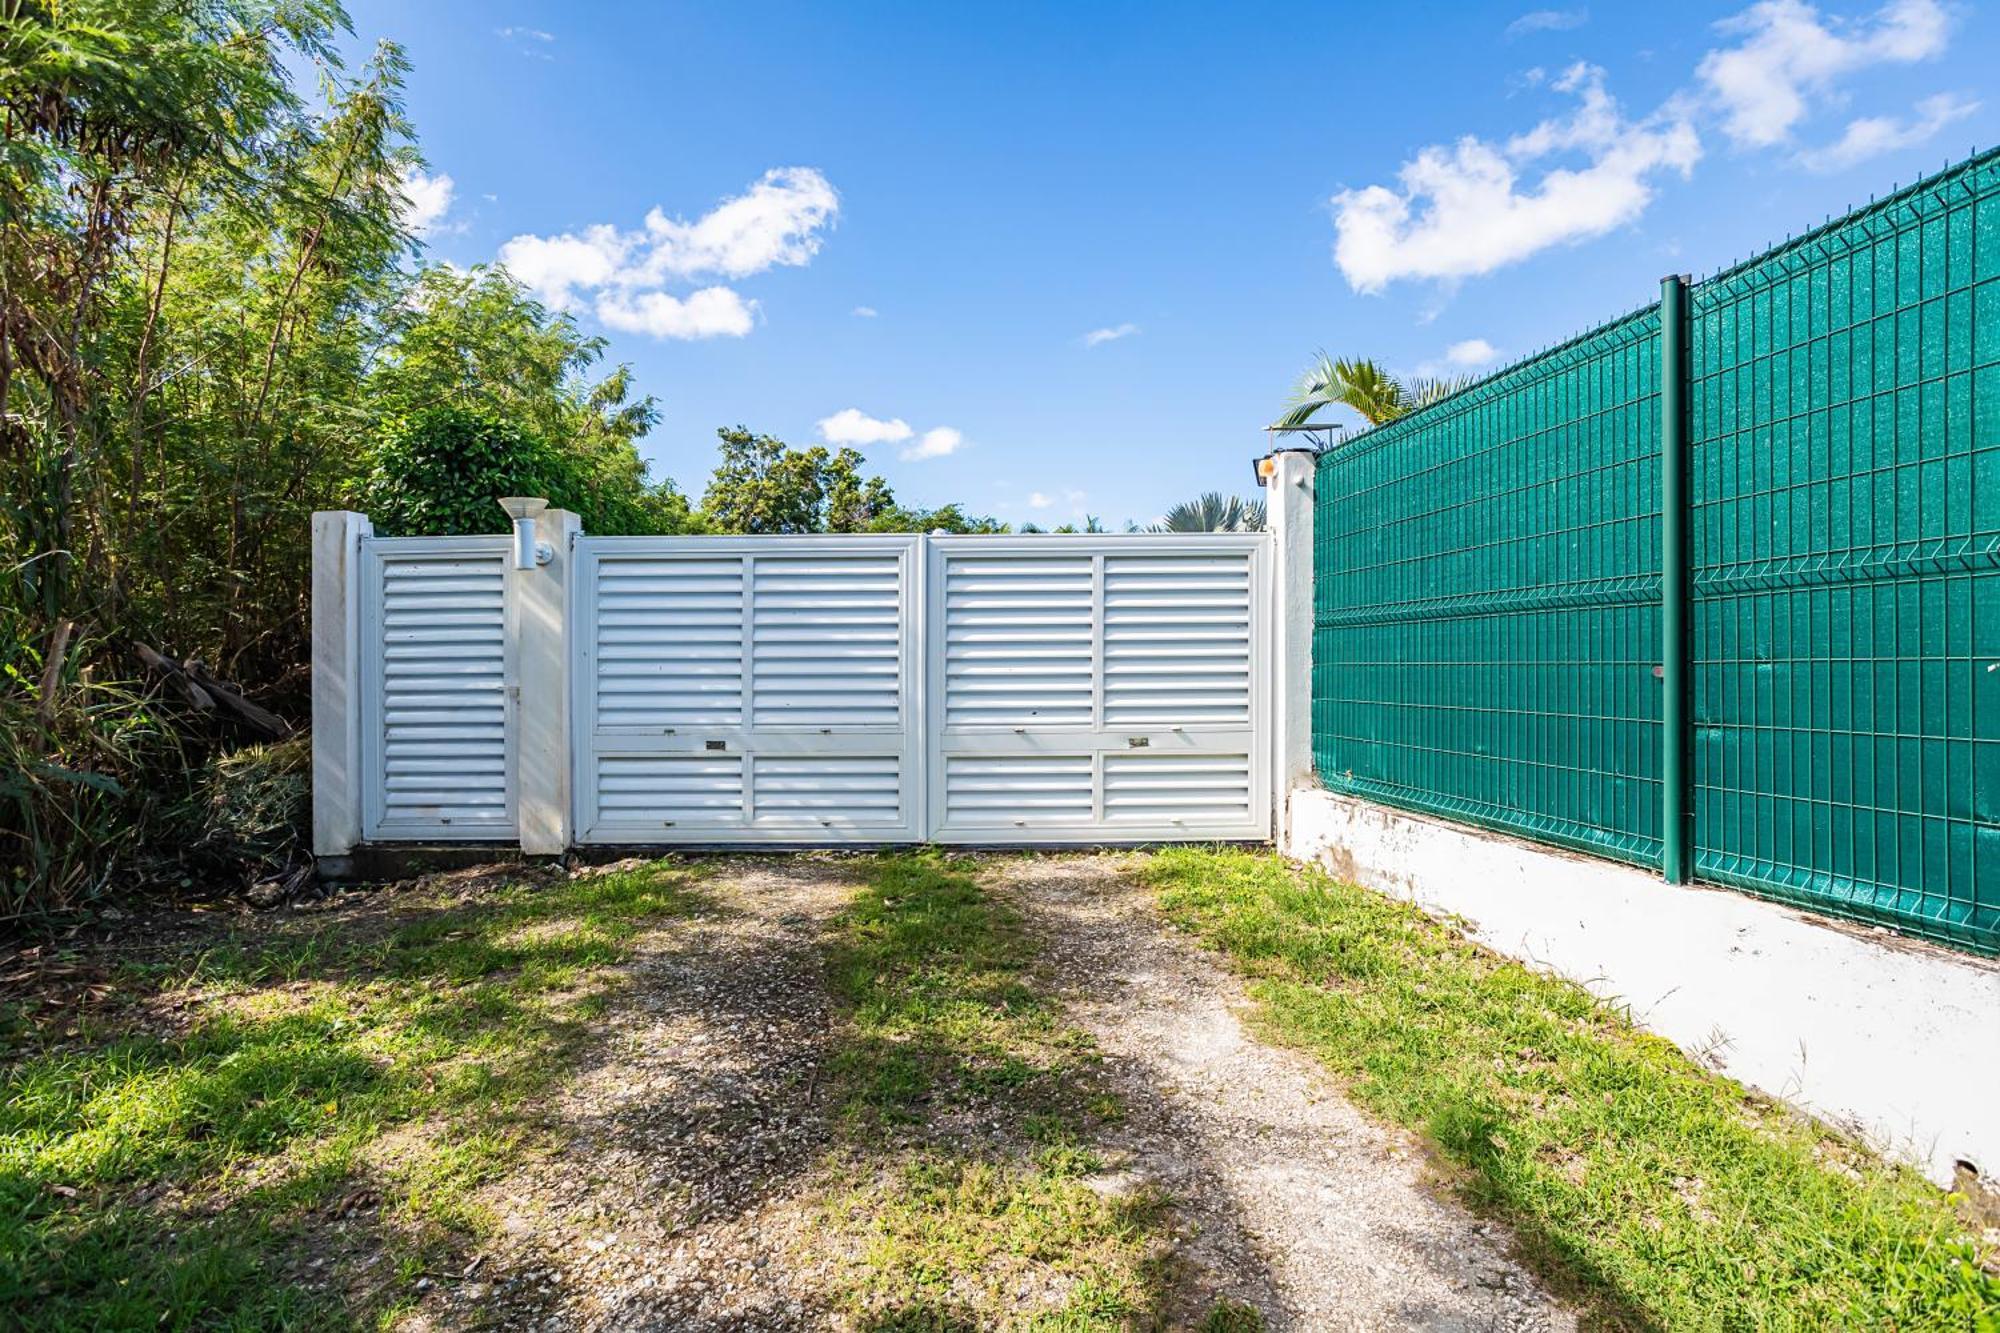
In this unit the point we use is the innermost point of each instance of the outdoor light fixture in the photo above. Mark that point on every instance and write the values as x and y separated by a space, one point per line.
1319 437
524 510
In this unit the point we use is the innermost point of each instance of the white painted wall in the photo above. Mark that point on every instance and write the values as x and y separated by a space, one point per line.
1894 1040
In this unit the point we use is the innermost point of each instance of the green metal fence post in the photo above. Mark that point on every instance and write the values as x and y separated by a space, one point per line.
1676 780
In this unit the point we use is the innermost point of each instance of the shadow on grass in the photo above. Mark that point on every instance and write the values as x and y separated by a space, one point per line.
1656 1192
974 1128
189 1172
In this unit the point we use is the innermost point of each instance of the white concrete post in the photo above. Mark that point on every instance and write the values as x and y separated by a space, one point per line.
541 715
1289 512
336 680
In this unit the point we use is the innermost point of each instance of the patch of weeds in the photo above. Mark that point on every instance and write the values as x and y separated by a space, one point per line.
1632 1175
1232 1317
328 1092
970 1115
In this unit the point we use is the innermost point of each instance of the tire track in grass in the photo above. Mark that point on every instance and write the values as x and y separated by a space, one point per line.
1291 1198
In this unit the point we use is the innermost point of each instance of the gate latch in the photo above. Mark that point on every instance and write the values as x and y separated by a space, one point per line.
1138 742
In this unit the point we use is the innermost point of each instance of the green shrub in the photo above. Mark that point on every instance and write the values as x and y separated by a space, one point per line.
77 768
249 811
438 471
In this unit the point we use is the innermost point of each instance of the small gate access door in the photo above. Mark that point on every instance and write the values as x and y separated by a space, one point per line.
894 689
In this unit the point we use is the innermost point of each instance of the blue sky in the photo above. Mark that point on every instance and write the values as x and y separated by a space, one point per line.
905 223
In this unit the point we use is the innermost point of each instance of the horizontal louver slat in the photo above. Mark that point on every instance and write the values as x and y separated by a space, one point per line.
440 650
1017 631
667 791
861 789
826 642
669 644
1177 648
1169 790
1008 791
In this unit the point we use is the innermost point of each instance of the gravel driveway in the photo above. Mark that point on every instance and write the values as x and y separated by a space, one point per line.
692 1177
1268 1165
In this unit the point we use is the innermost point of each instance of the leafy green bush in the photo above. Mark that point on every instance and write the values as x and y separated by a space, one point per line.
437 472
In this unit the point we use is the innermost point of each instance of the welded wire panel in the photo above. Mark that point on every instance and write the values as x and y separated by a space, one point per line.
1845 426
1487 579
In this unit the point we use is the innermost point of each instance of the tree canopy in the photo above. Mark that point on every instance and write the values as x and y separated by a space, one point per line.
763 485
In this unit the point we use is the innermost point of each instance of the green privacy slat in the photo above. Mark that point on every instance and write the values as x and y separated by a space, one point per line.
1845 426
1487 604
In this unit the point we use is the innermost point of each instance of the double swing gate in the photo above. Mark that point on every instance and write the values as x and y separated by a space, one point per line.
839 689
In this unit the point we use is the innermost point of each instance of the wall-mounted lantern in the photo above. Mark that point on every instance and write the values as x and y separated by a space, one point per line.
524 510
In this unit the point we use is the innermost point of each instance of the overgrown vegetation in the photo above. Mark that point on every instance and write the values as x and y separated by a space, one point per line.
213 321
1664 1193
286 1129
946 1035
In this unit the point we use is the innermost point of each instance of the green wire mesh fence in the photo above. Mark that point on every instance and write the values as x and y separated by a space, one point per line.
1490 576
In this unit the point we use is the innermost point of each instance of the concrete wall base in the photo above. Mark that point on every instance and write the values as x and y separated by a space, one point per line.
1890 1039
379 862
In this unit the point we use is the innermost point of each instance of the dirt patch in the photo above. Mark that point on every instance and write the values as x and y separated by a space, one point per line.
1271 1170
671 1203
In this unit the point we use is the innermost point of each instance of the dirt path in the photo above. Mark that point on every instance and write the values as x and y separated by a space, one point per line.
696 1139
1260 1153
699 1119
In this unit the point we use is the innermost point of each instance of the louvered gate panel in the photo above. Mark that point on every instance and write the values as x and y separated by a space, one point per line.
747 689
437 717
1098 689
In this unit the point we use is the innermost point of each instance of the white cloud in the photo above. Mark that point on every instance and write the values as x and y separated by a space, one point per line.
1471 353
1037 500
1548 20
712 312
426 199
851 425
1109 335
1873 135
1788 57
1463 210
934 443
528 41
553 267
865 312
777 222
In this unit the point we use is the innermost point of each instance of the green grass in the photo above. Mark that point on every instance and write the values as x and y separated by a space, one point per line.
1663 1194
970 1115
313 1091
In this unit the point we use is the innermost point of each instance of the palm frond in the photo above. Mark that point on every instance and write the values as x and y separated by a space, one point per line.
1424 392
1358 383
1213 512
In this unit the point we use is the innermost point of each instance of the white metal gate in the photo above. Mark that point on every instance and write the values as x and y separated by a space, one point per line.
800 690
747 689
889 689
437 670
1098 689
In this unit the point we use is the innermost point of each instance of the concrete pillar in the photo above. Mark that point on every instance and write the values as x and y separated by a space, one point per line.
1289 512
336 681
541 666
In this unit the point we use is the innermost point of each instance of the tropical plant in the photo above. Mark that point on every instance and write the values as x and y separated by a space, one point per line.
1213 512
1366 387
